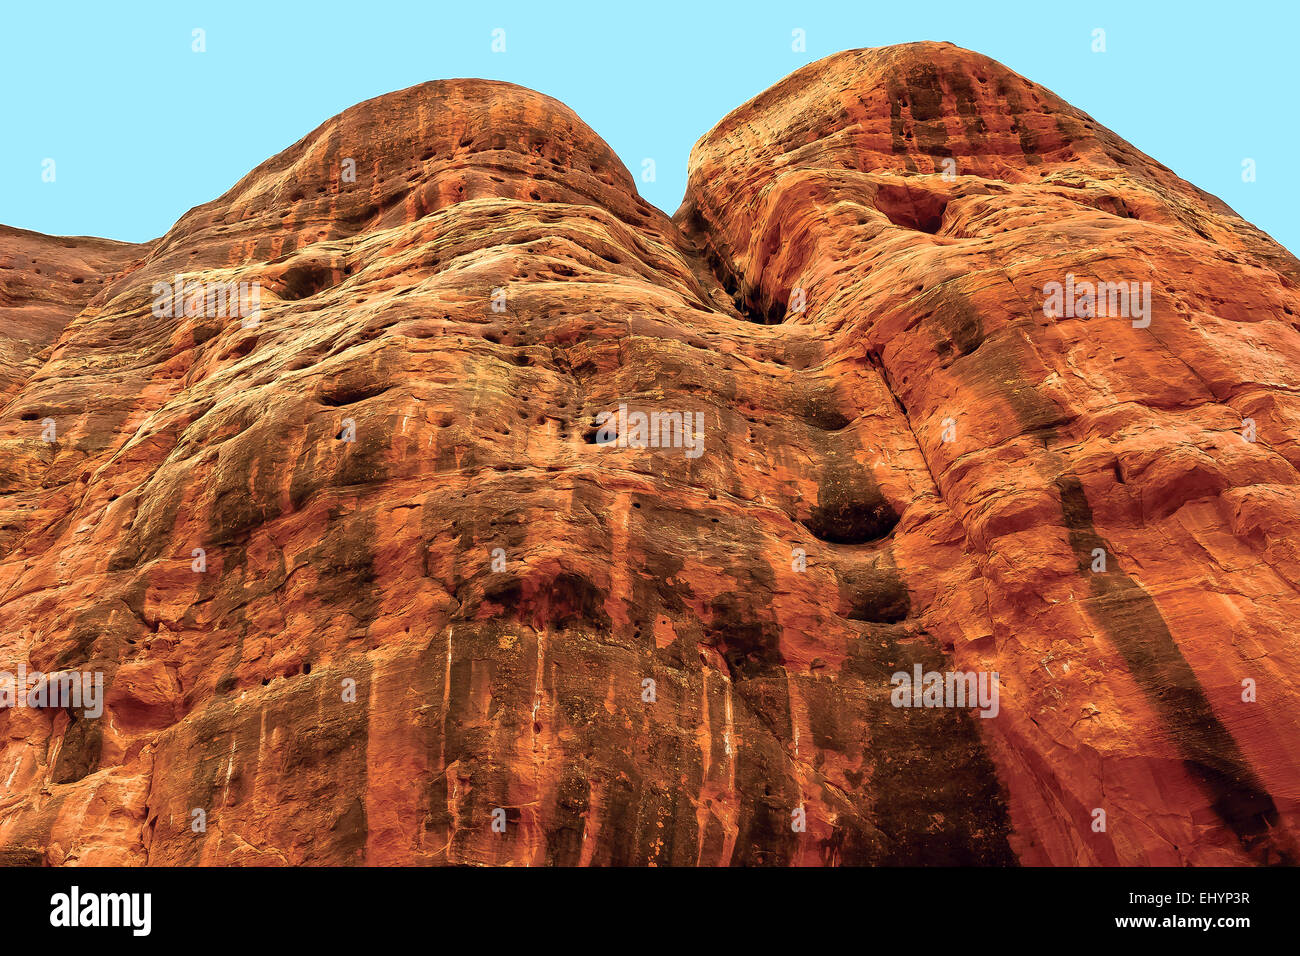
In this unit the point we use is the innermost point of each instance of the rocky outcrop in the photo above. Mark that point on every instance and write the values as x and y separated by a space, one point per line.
47 280
374 571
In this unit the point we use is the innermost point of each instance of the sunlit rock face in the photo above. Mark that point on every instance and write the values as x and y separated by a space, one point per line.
430 498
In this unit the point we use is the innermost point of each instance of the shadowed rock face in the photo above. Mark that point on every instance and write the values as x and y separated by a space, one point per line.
429 588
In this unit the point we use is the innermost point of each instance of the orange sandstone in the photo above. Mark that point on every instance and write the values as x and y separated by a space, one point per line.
362 577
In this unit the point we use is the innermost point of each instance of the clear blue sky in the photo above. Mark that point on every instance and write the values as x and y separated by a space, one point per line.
141 128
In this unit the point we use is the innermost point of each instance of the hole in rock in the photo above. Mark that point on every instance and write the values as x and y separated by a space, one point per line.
850 510
338 394
240 348
821 415
301 281
911 207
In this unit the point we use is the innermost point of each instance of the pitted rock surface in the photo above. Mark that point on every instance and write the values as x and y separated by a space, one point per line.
363 572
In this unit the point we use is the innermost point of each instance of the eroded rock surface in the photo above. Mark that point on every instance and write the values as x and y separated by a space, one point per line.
361 572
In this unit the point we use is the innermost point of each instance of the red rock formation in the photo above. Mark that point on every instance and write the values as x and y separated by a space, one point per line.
427 592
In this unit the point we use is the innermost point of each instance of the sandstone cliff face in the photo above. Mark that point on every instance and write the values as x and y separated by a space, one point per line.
363 579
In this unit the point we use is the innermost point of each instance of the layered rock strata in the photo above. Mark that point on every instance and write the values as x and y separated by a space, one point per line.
367 580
